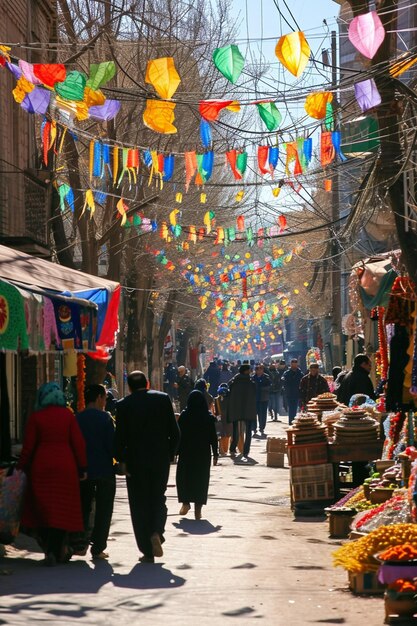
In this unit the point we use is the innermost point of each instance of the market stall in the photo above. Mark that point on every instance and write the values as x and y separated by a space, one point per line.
50 318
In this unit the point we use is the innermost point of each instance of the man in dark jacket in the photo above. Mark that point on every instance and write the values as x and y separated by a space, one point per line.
263 385
357 380
97 427
291 379
147 438
312 385
212 376
184 386
275 394
241 410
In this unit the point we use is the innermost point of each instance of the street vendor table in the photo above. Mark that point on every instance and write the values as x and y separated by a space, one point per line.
359 455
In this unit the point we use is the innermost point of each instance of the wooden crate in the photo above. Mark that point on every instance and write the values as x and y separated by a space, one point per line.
311 454
355 452
339 524
275 459
365 583
276 444
312 473
312 492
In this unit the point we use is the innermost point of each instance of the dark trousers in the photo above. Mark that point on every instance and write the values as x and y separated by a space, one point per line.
235 437
292 407
53 541
102 490
262 410
146 491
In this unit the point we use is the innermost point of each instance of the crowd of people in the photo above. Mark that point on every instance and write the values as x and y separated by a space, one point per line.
71 460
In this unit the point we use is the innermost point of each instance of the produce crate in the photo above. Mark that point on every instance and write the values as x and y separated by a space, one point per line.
311 454
275 459
276 444
339 523
312 473
365 583
312 492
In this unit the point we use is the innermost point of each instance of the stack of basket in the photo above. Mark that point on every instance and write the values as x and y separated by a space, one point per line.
306 429
356 427
275 450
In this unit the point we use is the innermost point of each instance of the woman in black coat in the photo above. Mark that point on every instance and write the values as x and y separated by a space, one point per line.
198 443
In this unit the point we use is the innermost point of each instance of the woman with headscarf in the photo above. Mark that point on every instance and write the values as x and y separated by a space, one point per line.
201 385
54 459
198 444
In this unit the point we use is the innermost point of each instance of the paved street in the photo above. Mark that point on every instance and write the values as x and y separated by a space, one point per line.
247 561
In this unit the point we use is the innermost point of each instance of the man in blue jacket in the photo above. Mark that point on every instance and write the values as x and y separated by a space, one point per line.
97 427
291 379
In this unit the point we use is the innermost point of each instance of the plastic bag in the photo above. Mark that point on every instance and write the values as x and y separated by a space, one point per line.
12 490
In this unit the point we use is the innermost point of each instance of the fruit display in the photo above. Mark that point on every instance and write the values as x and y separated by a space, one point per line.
391 478
403 552
349 500
394 510
358 556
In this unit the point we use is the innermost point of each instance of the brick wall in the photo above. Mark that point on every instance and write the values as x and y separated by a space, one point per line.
21 21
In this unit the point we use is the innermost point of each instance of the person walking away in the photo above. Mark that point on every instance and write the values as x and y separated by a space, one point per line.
291 379
212 376
241 409
97 427
282 403
220 410
184 386
201 385
54 459
170 377
147 438
312 385
357 380
263 386
275 392
225 374
198 444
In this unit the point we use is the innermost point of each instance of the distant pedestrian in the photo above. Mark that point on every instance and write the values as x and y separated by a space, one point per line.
224 429
241 409
225 374
291 379
147 438
170 376
97 427
201 385
275 392
198 445
263 386
184 386
312 385
212 376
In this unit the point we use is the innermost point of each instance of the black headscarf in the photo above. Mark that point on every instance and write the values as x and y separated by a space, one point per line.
197 404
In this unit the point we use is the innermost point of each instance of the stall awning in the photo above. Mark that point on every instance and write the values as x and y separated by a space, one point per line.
16 266
51 290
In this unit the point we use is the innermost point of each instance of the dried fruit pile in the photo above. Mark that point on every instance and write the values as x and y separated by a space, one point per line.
358 556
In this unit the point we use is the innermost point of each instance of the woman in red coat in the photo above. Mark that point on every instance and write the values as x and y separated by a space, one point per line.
54 458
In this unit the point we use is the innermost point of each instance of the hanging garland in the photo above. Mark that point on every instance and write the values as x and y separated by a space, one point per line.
383 347
80 382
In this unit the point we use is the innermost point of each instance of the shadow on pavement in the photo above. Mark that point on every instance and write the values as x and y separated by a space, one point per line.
148 576
197 527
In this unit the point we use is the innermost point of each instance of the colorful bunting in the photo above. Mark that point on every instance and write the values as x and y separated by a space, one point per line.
229 61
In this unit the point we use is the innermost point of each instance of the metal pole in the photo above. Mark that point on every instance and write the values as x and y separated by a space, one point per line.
336 283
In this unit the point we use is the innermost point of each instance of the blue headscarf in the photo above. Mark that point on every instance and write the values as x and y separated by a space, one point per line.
49 394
